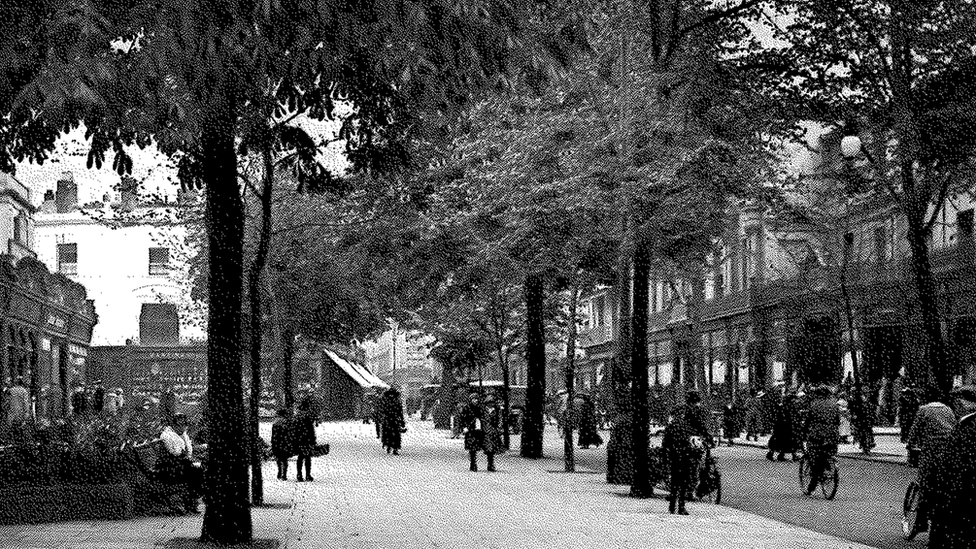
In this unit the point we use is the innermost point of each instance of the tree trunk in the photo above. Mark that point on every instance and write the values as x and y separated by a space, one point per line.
535 354
940 375
619 455
289 351
569 458
506 399
256 333
640 486
227 519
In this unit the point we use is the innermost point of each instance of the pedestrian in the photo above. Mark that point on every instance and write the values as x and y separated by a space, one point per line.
79 401
98 397
493 443
588 434
16 404
684 440
392 420
168 404
821 430
931 426
730 422
471 421
843 408
282 442
908 404
304 440
784 440
954 495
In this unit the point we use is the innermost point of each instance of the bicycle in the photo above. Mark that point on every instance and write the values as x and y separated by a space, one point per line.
708 488
914 514
828 481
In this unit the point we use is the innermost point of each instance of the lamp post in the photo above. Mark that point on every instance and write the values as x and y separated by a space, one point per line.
850 147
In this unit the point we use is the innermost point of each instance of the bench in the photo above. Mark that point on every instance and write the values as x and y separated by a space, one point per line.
155 492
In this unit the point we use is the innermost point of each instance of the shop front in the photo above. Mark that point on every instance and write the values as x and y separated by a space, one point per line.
46 329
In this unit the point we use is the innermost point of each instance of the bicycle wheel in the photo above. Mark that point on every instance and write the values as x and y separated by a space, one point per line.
828 483
804 473
909 517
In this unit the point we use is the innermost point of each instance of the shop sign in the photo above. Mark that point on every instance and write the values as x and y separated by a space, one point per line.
77 350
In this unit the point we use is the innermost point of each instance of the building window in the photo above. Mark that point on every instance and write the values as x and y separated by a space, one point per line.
964 223
68 259
158 261
599 310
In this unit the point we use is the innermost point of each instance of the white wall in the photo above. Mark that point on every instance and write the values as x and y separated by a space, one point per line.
113 265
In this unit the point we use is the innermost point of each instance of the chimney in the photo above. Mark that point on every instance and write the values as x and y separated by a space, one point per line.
48 206
66 198
129 189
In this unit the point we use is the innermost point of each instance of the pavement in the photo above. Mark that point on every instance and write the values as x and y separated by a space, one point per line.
888 447
426 498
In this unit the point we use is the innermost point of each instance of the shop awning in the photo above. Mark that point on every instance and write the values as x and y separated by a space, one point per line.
359 374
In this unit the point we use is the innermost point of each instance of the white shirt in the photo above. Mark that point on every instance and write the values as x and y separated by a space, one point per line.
176 444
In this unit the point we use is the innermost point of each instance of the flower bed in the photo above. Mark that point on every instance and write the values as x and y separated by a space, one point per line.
66 502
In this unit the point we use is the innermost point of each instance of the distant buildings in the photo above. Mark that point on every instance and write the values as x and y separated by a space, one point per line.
402 359
130 254
47 318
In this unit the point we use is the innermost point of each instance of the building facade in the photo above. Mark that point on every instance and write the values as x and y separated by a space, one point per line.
47 318
785 302
129 255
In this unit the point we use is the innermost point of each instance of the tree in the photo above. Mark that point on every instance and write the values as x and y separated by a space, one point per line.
893 72
192 76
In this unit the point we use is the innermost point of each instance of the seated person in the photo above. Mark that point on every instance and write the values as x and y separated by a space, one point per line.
177 465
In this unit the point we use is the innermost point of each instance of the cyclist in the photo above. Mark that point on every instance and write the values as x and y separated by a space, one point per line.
683 437
822 433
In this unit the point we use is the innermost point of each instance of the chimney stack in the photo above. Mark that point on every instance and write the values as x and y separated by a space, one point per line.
66 198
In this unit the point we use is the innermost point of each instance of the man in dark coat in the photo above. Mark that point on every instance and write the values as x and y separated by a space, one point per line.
391 418
470 420
282 442
304 441
784 439
98 397
954 497
908 404
79 401
822 432
684 437
588 434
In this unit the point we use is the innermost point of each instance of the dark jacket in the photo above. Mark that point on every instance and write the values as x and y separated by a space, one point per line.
282 438
932 425
785 430
492 442
688 421
469 417
304 433
391 420
954 496
588 435
823 422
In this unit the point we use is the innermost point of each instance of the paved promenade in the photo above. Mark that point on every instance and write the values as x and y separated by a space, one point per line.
426 498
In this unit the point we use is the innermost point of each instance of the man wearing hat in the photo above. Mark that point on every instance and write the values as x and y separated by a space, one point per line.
685 433
954 493
98 397
822 428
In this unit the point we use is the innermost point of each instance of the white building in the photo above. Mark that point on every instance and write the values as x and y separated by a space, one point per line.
124 252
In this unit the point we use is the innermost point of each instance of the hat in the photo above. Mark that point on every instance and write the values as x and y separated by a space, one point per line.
967 392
